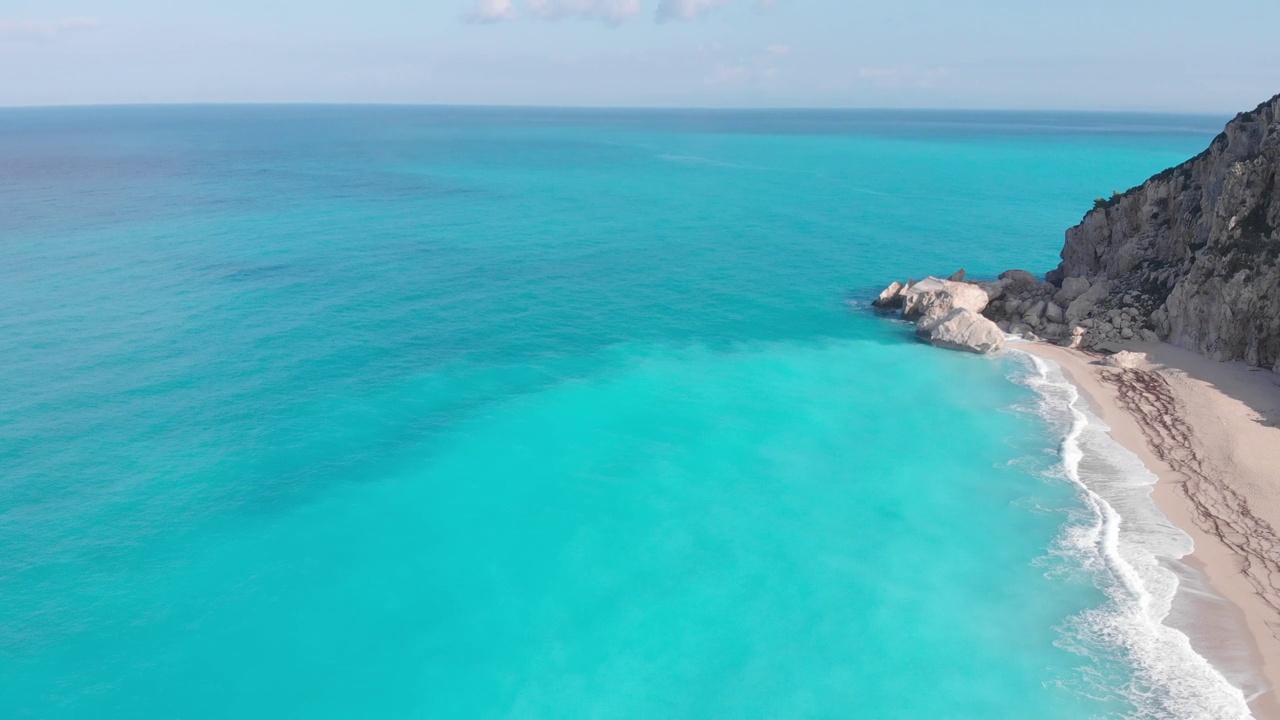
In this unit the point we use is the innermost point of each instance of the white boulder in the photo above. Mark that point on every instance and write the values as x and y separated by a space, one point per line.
891 297
962 329
1125 359
939 297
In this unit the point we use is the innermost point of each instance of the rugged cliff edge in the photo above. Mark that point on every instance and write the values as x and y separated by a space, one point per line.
1195 250
1191 256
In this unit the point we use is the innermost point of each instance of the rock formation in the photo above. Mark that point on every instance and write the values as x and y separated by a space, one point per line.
932 296
947 312
962 329
1193 254
1125 360
1076 313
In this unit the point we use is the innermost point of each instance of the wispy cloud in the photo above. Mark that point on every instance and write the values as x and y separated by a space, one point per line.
45 30
490 11
906 75
753 69
612 12
686 9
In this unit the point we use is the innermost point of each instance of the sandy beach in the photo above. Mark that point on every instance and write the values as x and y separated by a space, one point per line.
1211 432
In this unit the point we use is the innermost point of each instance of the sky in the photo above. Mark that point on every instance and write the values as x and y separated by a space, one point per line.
1160 55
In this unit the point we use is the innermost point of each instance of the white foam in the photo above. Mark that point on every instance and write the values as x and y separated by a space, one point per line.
1123 541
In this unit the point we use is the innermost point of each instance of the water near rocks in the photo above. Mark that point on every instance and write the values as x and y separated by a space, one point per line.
328 412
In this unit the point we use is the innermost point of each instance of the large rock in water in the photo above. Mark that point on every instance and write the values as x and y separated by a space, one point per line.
1019 280
932 296
1195 250
891 297
961 329
994 290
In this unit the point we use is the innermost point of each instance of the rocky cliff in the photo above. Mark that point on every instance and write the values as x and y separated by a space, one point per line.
1192 255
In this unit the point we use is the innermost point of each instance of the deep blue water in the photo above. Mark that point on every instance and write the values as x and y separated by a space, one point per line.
407 412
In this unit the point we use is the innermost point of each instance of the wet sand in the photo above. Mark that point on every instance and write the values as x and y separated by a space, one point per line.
1211 432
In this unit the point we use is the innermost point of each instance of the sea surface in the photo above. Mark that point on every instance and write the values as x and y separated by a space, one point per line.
414 412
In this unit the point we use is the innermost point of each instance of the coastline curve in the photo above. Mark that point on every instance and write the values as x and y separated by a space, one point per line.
1126 544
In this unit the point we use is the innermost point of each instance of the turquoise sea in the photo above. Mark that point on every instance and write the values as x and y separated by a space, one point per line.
401 412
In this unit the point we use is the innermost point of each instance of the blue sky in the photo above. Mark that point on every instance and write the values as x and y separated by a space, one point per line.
1178 55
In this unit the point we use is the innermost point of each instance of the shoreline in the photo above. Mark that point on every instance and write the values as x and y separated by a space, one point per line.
1209 433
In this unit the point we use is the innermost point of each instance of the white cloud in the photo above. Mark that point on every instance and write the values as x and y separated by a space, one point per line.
755 69
613 12
686 9
906 75
729 74
47 30
491 11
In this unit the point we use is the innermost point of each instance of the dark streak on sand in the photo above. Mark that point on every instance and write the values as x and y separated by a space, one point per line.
1218 509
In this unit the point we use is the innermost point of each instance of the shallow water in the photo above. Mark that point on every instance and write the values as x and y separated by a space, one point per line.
418 412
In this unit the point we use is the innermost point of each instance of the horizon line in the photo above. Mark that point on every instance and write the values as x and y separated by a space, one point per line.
524 106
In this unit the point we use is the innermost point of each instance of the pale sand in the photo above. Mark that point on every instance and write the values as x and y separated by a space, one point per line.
1209 431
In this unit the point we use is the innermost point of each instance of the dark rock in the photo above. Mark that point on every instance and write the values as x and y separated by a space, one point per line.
1194 251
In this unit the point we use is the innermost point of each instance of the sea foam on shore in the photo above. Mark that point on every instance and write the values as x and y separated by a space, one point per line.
1127 545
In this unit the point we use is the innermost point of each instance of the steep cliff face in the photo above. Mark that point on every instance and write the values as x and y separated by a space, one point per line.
1195 250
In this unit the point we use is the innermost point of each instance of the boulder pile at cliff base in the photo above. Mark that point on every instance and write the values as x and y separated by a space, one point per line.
974 316
1190 257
